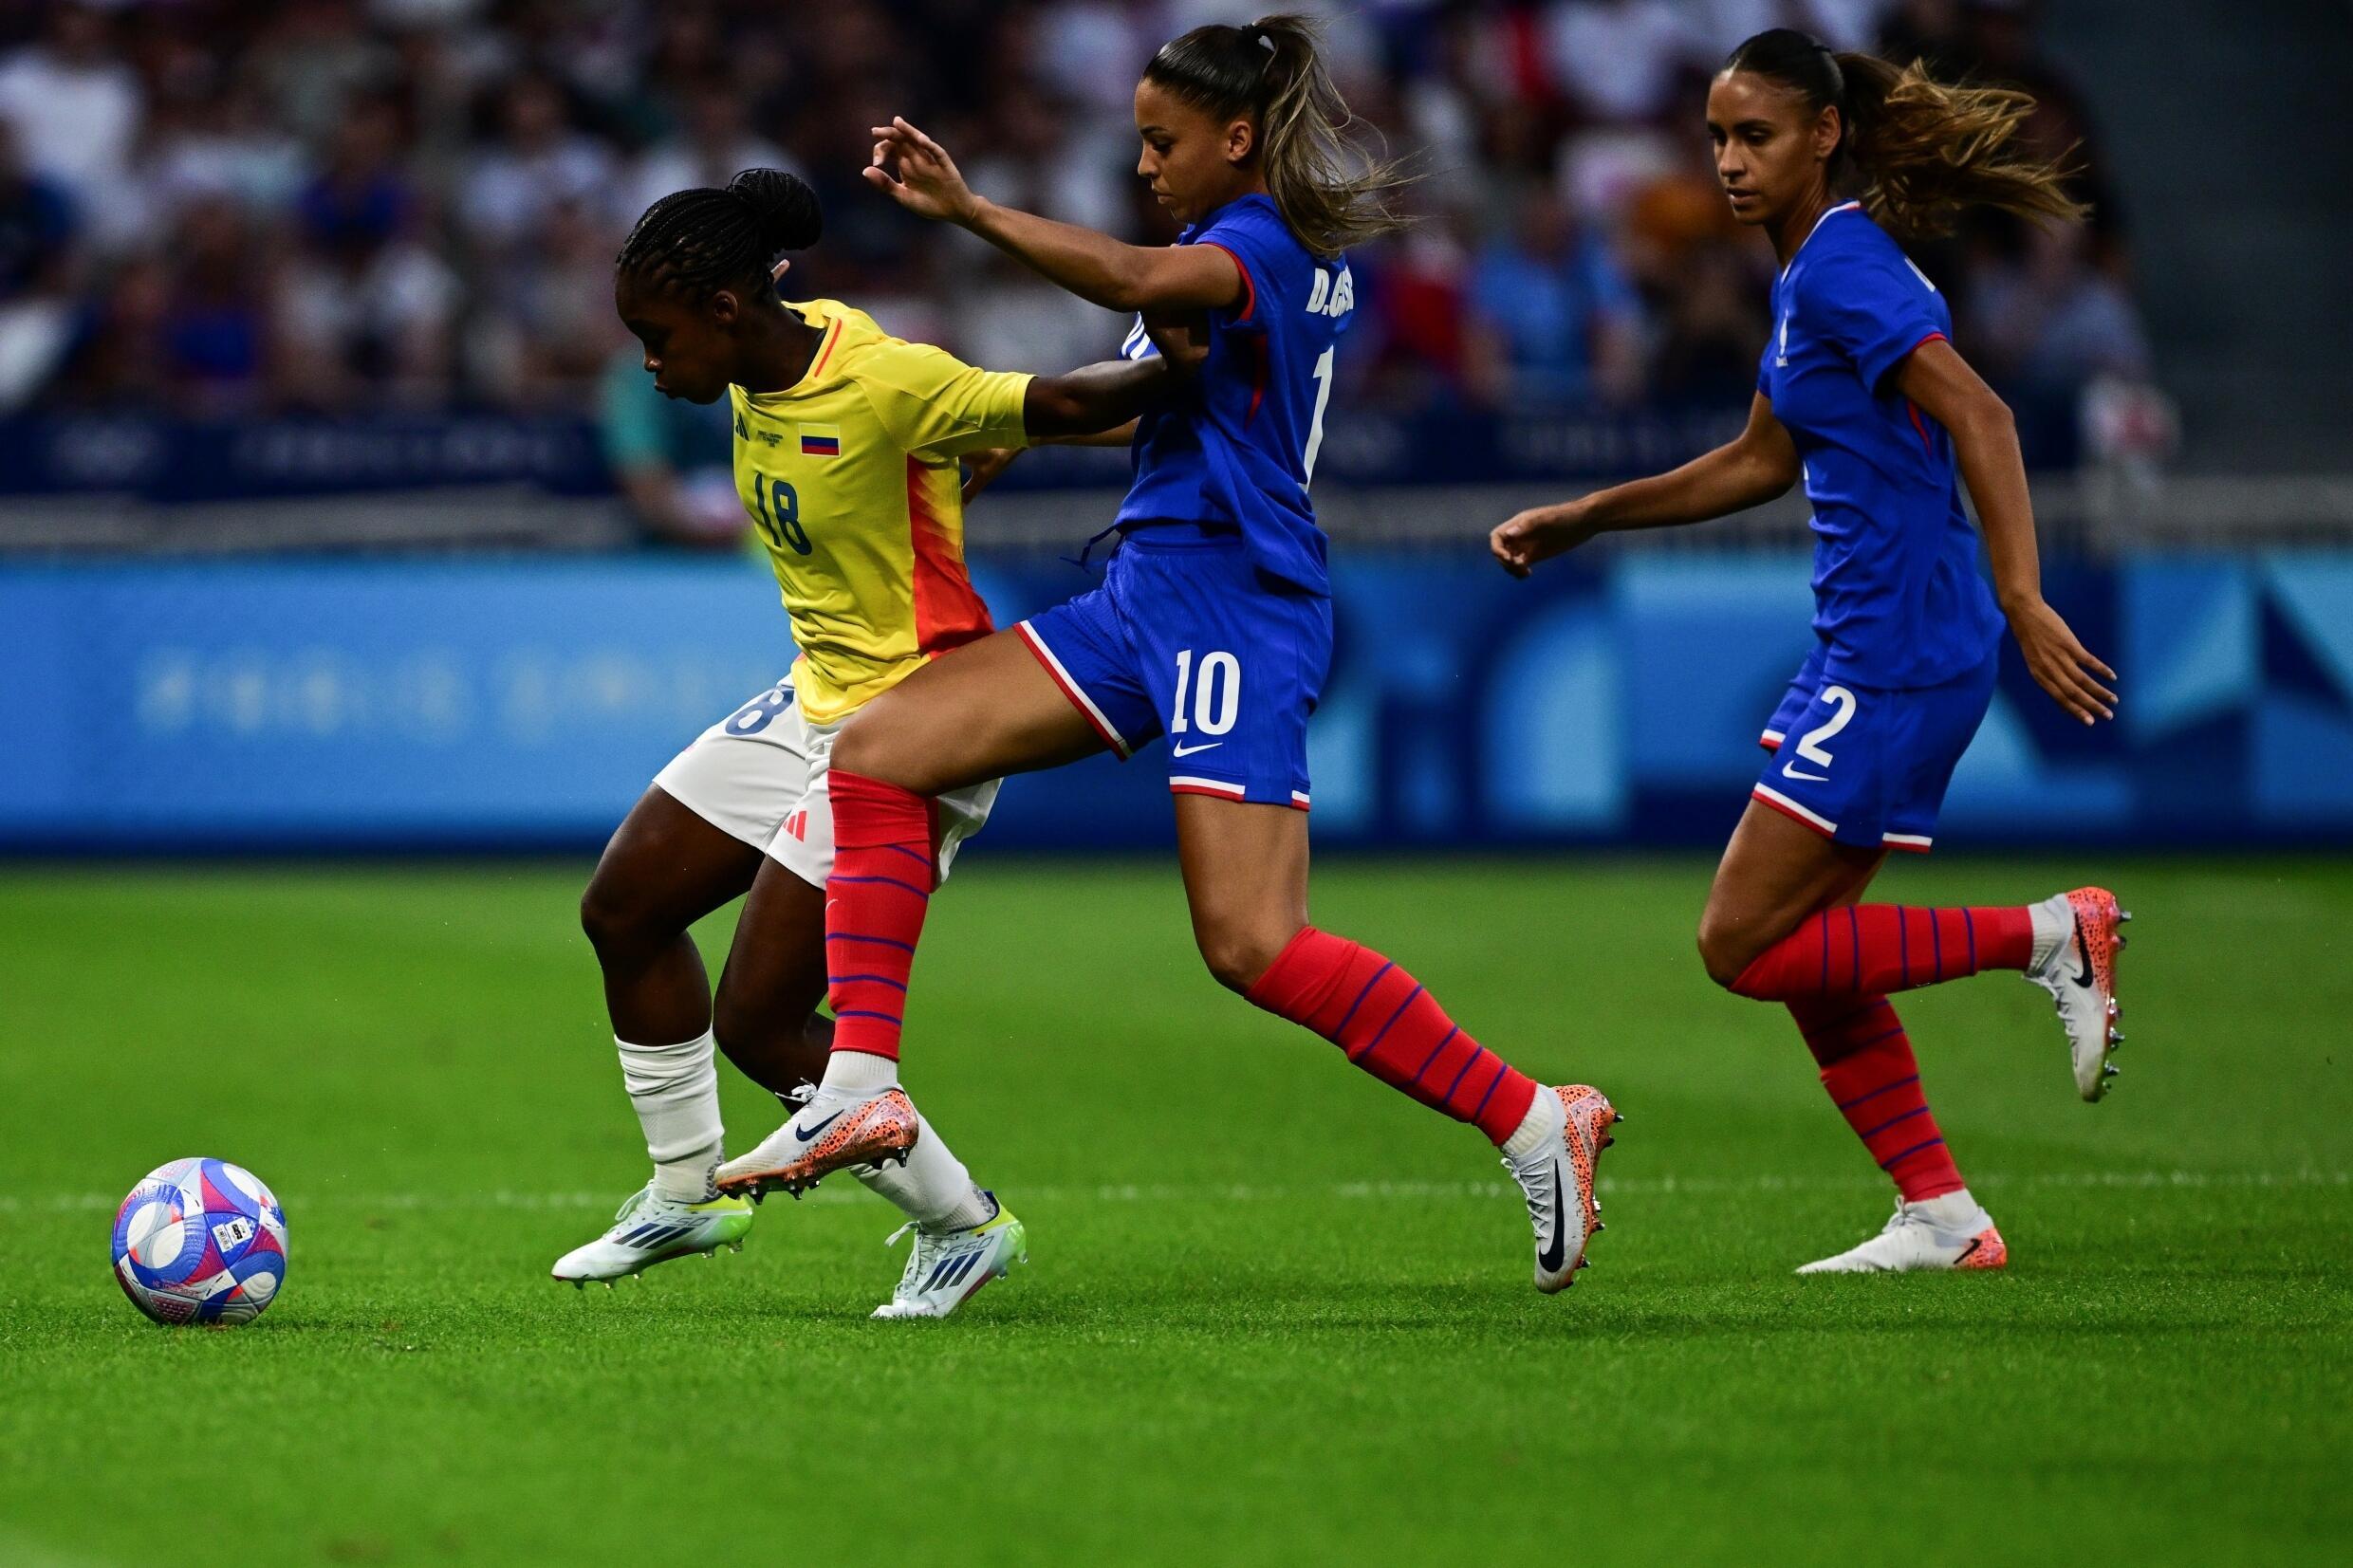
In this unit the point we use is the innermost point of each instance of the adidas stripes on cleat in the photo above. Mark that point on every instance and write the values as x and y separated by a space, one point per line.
949 1267
650 1229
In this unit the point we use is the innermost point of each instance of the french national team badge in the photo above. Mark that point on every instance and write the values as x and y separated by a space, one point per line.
821 440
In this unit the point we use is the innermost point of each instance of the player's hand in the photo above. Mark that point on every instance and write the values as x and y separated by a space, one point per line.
983 466
2060 664
1539 534
1181 336
927 183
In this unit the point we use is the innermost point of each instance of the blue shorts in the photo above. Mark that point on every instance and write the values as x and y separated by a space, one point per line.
1868 765
1187 638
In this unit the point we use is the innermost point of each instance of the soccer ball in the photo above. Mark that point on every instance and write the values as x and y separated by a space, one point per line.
200 1241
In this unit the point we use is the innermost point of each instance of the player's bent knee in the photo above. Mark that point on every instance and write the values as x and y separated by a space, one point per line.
617 926
855 751
867 746
1722 953
1239 959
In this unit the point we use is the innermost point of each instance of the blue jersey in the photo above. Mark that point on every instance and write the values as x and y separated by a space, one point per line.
1238 445
1898 601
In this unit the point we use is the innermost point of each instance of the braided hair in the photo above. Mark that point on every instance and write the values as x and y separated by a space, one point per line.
700 241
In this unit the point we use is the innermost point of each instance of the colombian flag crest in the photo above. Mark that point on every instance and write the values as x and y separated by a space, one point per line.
821 440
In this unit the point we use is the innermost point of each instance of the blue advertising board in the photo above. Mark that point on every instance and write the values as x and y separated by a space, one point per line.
524 704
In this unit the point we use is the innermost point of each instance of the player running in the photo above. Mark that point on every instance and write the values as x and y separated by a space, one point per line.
1861 395
847 442
1214 626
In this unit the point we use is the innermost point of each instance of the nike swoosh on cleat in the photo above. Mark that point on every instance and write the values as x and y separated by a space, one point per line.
819 1128
1175 750
1549 1259
1974 1243
2082 951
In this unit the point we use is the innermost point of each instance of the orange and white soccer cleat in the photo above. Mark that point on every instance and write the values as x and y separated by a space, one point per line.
2080 974
1952 1231
1557 1178
831 1130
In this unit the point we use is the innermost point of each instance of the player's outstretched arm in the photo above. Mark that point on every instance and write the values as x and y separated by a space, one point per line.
982 468
1093 406
917 174
1091 399
1985 439
1758 465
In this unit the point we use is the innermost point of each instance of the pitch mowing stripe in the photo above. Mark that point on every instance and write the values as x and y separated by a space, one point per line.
63 1203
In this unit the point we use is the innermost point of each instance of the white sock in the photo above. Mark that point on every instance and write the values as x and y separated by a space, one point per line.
860 1073
676 1088
2054 922
1545 1119
1950 1211
932 1188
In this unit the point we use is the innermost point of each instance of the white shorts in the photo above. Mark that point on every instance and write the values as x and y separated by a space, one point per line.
759 775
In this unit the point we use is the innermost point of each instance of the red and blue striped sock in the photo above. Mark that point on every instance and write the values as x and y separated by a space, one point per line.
883 874
1873 1079
1394 1029
1872 950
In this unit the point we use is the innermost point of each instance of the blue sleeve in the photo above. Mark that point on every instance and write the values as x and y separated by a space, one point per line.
1873 307
1763 362
1255 237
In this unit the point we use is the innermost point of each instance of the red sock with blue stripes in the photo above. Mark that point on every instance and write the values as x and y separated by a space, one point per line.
883 874
1873 1078
1394 1029
1872 950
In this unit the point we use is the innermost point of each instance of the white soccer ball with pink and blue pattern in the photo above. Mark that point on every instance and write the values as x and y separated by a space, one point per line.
200 1241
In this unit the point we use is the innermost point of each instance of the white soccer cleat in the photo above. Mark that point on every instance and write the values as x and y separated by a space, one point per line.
1557 1178
1936 1233
650 1229
2080 977
829 1132
949 1267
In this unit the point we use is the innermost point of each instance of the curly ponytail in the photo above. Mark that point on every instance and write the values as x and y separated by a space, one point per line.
1919 152
1331 188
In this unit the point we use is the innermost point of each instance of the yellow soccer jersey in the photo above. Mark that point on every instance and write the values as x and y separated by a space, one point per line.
850 477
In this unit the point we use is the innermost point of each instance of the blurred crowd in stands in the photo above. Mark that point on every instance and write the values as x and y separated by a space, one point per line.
224 206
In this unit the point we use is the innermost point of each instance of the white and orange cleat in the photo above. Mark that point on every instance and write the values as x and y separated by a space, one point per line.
1952 1231
1557 1177
825 1135
2078 971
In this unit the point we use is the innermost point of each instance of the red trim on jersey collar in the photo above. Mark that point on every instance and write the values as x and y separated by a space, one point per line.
825 352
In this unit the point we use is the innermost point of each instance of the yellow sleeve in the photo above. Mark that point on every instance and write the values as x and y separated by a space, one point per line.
936 406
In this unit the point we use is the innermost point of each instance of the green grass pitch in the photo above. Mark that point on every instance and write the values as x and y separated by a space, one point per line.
1276 1314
